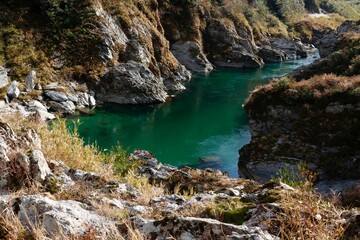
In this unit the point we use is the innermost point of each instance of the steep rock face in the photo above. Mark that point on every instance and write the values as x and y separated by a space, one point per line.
142 43
85 41
58 217
226 48
192 56
132 83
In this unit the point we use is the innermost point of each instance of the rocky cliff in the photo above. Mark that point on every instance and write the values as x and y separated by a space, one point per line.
313 120
130 52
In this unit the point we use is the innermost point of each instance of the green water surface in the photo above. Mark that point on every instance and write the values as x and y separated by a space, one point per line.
204 122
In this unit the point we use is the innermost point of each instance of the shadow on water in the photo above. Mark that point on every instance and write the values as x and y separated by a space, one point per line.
202 127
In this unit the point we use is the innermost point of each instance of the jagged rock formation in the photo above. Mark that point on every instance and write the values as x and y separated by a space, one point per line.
330 42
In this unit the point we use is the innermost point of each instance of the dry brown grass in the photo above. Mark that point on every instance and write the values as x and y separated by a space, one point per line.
290 92
11 227
306 215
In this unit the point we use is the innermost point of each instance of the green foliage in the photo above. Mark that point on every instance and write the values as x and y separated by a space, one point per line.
291 177
120 160
230 212
117 157
289 11
263 21
282 83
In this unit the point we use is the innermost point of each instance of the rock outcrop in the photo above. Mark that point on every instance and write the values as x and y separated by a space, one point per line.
329 43
309 121
226 48
339 52
191 55
132 83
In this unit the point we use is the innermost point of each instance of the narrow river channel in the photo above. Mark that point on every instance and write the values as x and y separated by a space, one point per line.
202 127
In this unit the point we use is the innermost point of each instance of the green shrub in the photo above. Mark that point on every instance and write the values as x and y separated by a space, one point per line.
282 83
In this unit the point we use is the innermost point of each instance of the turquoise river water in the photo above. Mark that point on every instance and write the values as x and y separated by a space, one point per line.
203 126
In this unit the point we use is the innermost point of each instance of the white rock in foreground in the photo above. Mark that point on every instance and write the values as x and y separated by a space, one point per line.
59 217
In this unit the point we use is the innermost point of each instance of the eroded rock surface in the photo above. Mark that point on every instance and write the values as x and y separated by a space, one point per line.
132 83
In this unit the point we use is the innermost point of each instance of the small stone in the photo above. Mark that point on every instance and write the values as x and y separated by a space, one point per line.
138 210
57 96
39 166
4 80
30 80
13 91
92 102
232 192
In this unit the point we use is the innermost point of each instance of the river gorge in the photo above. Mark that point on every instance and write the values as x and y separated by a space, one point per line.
204 126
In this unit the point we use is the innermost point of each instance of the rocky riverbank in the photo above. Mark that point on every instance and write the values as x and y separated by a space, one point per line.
128 53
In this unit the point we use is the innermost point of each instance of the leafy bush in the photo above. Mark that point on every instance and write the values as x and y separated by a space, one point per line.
282 83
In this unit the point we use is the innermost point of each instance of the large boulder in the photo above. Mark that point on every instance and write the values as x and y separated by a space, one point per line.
132 83
59 217
292 49
13 90
270 55
56 95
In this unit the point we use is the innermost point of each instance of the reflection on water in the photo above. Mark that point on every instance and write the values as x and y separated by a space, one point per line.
202 127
